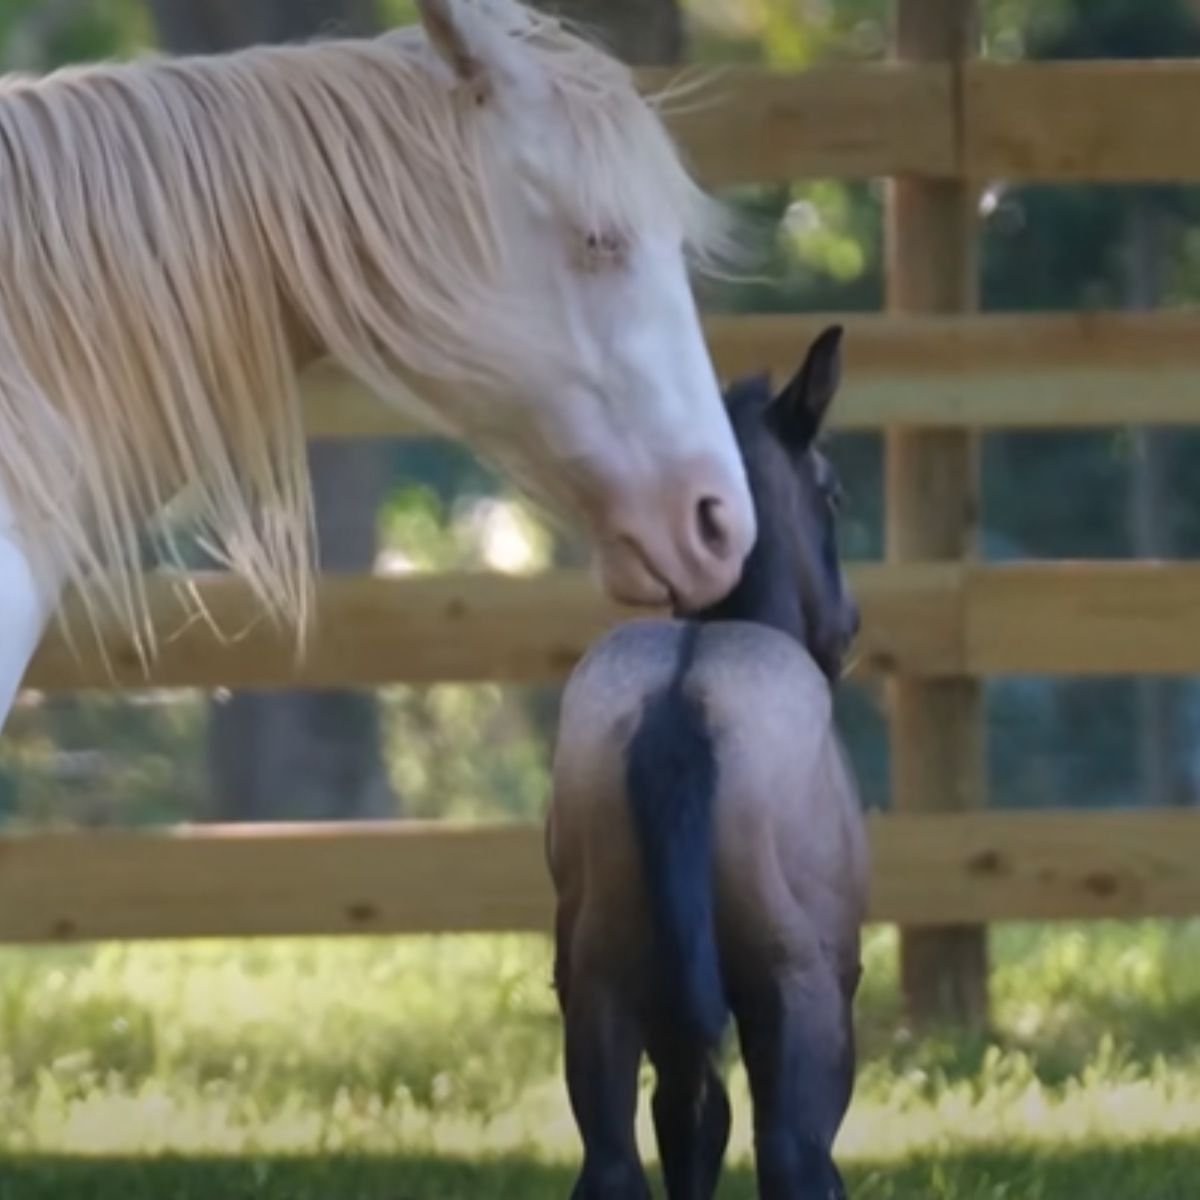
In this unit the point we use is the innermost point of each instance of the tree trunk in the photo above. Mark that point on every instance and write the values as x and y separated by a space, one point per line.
309 755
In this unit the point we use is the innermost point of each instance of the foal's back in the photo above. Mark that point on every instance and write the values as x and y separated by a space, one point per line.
789 862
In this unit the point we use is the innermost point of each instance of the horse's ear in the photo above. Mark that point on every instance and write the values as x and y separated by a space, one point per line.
800 408
472 39
444 26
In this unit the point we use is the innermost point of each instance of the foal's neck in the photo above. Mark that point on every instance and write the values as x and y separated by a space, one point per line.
762 597
768 592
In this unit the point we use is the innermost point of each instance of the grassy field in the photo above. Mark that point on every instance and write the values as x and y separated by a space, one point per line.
428 1070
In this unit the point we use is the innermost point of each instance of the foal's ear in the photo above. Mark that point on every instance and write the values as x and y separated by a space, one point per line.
799 410
472 38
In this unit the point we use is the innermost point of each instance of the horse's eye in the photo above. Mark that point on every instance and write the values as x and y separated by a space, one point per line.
601 249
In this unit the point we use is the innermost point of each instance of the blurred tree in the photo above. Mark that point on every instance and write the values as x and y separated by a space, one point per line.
37 35
642 32
1085 247
204 26
297 754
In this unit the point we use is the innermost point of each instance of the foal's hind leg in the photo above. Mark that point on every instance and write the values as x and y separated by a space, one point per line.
795 1035
603 1053
691 1119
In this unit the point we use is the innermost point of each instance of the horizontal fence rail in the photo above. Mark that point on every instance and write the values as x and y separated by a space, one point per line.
930 620
1064 371
397 877
1104 121
755 125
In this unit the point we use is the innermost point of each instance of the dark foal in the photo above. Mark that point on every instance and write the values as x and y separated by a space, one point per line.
707 847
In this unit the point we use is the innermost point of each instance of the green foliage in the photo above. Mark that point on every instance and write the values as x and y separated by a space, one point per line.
105 29
457 1025
95 760
38 38
462 751
455 750
1113 29
822 229
397 12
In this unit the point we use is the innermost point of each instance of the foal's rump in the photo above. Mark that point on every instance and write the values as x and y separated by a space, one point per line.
703 819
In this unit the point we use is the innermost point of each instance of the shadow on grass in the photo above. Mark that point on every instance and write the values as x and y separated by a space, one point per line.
1166 1170
1063 1052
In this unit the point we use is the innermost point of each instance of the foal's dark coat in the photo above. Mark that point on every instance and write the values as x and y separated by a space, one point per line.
707 849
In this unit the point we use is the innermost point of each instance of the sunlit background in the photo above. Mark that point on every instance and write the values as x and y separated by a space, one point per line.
408 1063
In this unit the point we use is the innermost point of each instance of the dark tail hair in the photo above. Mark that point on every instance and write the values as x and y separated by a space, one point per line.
671 782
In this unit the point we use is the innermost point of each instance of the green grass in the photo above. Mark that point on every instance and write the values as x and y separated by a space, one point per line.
428 1068
1164 1171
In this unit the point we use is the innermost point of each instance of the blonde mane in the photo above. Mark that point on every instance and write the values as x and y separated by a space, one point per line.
178 235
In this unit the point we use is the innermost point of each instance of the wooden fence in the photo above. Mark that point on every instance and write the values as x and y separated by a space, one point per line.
932 376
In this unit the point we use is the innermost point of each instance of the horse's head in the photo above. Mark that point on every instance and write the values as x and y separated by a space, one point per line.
793 579
611 410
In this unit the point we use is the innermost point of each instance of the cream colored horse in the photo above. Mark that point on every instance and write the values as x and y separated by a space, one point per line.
478 217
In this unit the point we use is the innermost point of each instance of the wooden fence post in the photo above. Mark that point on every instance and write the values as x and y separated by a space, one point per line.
931 488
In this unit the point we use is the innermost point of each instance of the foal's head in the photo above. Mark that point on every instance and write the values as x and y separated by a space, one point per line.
793 578
614 412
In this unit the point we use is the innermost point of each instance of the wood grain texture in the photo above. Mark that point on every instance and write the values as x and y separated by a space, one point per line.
1083 618
756 125
931 485
922 620
1101 121
449 628
1064 371
991 866
401 877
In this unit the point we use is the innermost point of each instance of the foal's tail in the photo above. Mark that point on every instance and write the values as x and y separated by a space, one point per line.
671 779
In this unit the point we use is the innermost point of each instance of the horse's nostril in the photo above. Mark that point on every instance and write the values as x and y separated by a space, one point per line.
714 529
